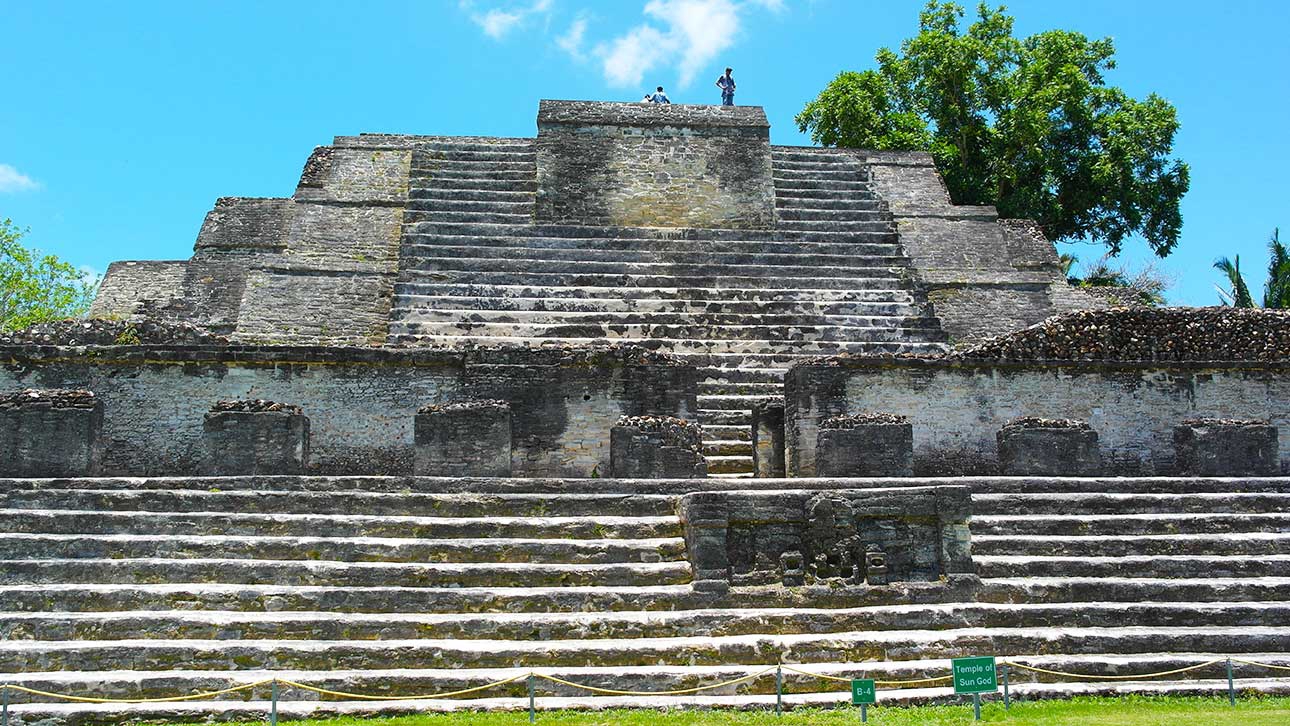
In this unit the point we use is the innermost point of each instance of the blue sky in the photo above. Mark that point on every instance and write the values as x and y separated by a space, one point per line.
123 122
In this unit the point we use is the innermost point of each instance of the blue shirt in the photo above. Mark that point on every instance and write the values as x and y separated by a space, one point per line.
727 84
659 97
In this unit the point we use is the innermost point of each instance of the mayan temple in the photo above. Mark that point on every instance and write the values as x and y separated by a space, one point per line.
643 403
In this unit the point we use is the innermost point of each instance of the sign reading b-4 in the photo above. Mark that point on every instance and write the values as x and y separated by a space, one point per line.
974 675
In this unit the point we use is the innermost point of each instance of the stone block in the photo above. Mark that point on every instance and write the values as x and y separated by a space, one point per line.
1048 447
50 433
464 438
656 447
1227 447
255 437
768 439
865 445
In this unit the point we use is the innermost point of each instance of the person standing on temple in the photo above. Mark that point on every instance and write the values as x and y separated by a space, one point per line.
727 85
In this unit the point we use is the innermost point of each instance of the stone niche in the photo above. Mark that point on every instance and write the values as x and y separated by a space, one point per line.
50 433
654 165
463 438
656 447
768 439
255 437
1227 447
1048 447
848 538
865 445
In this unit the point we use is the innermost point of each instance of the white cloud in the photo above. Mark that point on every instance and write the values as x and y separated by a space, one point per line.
775 6
12 180
571 41
498 23
693 34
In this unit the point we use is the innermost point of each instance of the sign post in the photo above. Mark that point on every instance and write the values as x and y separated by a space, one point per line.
975 676
863 693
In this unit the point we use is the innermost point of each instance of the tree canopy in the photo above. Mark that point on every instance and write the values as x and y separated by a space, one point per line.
1028 125
36 288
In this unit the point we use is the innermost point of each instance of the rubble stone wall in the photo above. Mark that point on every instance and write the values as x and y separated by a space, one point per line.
651 165
361 403
957 406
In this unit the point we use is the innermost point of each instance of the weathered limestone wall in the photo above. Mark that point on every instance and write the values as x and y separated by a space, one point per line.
984 276
127 284
317 268
361 403
651 165
956 407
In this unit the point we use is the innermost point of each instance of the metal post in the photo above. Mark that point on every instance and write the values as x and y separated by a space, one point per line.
1231 687
864 713
273 703
779 690
976 707
4 705
532 702
1007 699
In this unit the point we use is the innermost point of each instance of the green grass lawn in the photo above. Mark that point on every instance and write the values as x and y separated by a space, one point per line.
1127 711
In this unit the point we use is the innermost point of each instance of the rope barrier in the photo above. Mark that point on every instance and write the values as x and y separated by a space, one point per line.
1261 665
614 692
1112 678
168 699
423 697
677 692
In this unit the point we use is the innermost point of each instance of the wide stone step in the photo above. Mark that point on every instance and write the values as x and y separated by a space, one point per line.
489 172
801 324
515 153
217 524
735 352
773 376
1110 525
698 236
324 626
666 297
339 574
727 432
795 214
1246 543
528 185
1116 503
448 145
1184 566
111 597
519 206
758 390
731 402
346 549
851 203
839 225
727 448
714 281
881 245
477 195
413 253
671 307
1219 590
987 485
794 183
147 654
514 162
650 269
416 214
687 335
804 196
360 503
824 173
725 417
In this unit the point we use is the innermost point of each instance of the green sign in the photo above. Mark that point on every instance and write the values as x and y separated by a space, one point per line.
975 675
863 692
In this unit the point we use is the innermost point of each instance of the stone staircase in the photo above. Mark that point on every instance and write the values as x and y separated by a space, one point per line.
135 588
739 304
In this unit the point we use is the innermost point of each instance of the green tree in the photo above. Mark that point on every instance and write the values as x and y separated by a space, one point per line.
1276 290
1028 125
36 288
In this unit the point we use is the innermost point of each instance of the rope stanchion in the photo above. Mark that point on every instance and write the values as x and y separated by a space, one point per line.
779 690
532 699
676 692
4 705
1231 685
1134 677
273 704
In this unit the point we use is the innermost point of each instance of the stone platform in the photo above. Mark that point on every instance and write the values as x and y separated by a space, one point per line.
147 587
